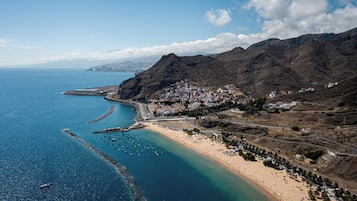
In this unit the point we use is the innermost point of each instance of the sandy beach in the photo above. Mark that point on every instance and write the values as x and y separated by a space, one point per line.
277 185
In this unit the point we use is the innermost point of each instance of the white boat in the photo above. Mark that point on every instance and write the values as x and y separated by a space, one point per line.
44 186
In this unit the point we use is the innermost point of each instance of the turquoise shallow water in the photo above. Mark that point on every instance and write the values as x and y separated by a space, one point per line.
34 150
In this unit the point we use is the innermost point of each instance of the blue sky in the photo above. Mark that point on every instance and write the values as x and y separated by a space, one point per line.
38 31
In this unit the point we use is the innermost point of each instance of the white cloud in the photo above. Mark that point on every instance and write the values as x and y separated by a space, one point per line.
285 20
271 9
218 17
304 8
303 16
11 43
314 21
221 42
345 2
282 9
4 42
338 21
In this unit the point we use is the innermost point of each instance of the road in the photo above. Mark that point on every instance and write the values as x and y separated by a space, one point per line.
147 116
144 111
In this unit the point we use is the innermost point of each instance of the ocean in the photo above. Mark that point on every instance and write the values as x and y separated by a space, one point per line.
34 150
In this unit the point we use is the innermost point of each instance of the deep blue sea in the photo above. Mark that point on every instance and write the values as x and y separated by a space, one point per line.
34 149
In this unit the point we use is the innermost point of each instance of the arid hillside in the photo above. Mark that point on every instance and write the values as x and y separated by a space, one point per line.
279 65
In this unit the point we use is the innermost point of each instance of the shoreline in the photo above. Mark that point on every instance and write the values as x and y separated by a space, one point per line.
139 115
108 92
275 184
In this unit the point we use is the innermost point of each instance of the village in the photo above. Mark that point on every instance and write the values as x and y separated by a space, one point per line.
183 96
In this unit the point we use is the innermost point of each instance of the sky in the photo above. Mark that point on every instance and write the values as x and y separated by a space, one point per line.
41 31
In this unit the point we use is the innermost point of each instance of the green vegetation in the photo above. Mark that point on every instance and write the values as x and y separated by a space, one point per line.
295 128
251 107
271 164
204 110
279 163
273 160
189 132
247 156
196 130
344 195
222 116
314 155
311 195
325 197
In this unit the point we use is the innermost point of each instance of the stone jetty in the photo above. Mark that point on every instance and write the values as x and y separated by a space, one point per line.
120 129
111 110
135 191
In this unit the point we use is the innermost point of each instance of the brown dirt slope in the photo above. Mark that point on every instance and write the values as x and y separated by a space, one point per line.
307 61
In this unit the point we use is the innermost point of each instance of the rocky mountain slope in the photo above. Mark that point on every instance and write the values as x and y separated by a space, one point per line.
307 61
312 60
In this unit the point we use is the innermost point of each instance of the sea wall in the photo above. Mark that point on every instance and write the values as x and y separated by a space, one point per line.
135 190
111 110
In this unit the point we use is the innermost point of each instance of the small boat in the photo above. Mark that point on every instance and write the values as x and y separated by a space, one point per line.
44 186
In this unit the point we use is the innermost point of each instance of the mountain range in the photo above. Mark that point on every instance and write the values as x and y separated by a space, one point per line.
135 66
325 63
311 60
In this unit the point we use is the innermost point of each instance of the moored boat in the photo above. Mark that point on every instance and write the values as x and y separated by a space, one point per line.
44 186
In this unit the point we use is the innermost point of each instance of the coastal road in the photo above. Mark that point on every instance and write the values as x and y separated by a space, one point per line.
156 119
298 142
144 111
350 147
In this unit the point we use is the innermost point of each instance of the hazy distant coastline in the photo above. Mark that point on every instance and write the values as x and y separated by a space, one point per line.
128 66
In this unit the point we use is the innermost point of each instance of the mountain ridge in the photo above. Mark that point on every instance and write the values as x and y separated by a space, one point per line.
310 60
325 64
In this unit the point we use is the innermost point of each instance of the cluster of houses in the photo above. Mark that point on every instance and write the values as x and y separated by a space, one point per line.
273 94
184 96
331 84
302 90
281 105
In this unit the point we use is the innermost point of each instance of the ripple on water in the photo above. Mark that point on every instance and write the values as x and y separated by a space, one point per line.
74 174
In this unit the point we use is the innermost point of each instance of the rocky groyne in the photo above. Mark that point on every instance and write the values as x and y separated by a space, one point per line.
135 191
96 91
111 110
120 129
